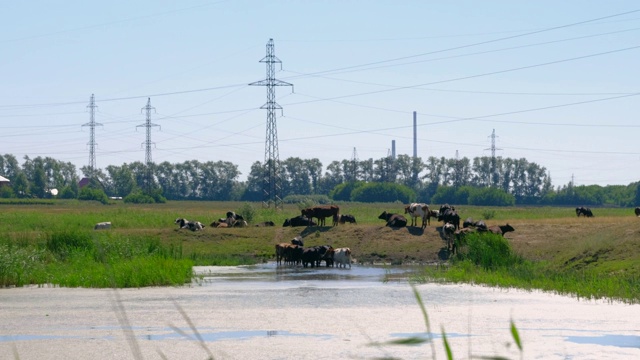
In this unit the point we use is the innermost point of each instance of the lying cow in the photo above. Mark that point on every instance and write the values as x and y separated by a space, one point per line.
342 257
299 221
346 218
500 229
219 224
102 225
393 220
191 225
265 223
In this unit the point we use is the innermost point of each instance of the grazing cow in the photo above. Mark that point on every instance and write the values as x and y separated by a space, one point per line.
299 221
638 211
448 214
500 229
416 210
265 223
342 257
584 211
433 214
102 225
321 213
448 231
393 220
346 218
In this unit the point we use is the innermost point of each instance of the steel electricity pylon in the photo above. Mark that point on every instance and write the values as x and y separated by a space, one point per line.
494 175
272 181
147 159
92 134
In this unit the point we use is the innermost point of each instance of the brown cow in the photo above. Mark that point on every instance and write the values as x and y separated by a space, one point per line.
322 212
500 229
393 220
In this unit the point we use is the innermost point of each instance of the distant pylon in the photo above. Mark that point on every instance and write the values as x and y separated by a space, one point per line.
493 157
147 159
92 131
353 176
272 181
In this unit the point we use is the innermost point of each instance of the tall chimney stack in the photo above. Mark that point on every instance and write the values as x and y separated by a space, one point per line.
393 149
415 135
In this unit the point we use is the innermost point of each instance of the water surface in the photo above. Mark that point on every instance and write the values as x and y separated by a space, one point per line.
270 312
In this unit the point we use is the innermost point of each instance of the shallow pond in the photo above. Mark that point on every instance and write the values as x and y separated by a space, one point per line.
271 312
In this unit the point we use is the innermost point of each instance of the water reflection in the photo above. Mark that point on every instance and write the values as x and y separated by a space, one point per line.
625 341
269 272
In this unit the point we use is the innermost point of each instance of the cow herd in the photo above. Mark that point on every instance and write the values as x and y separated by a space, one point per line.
295 253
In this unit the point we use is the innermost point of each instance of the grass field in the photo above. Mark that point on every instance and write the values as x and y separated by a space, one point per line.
605 246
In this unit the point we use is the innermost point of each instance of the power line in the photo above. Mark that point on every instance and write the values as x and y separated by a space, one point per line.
479 43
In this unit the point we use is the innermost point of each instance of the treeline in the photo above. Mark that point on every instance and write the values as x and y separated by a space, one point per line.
478 181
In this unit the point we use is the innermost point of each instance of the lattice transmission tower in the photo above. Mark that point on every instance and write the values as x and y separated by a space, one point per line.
148 179
92 134
494 175
353 171
272 181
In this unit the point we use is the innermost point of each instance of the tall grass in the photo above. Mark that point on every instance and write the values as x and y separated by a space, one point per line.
84 259
489 259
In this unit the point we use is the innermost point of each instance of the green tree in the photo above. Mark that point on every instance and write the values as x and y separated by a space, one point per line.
383 192
21 185
39 183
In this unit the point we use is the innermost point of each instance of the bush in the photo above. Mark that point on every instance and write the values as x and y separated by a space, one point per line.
487 250
247 211
67 192
491 197
137 197
342 192
6 192
312 199
89 193
383 192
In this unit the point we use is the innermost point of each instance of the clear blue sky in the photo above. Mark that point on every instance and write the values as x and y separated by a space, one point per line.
557 80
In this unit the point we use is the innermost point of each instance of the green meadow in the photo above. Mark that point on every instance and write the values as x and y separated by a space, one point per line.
54 243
